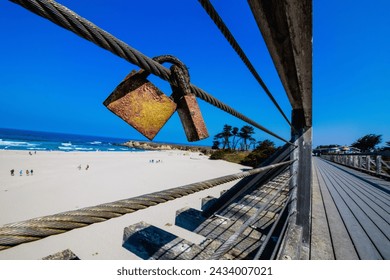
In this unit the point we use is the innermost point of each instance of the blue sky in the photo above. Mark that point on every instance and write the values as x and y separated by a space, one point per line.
52 80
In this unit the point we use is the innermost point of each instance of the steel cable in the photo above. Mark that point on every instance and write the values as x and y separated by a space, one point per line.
38 228
71 21
225 247
271 231
208 7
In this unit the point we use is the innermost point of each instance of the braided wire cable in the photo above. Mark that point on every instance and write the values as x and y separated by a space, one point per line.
210 10
71 21
225 247
271 231
34 229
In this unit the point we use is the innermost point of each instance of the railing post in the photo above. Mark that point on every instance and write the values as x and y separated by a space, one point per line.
368 165
378 164
303 136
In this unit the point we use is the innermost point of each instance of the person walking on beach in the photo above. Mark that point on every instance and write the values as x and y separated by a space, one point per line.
12 172
79 167
31 171
21 172
27 172
86 168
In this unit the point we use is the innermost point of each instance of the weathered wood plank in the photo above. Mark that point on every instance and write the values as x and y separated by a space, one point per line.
363 244
321 244
378 215
368 191
381 184
378 200
150 242
342 244
362 212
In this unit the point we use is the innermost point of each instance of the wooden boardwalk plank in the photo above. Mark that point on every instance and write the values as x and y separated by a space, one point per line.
377 214
361 241
378 197
380 241
380 183
341 240
321 244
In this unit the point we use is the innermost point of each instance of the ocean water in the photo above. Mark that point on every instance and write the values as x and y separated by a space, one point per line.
12 139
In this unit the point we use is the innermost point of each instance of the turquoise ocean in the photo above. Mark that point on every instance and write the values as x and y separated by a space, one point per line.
13 139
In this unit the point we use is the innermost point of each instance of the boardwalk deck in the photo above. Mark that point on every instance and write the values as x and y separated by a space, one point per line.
264 205
350 214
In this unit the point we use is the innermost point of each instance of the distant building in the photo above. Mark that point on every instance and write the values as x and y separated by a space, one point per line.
349 150
335 149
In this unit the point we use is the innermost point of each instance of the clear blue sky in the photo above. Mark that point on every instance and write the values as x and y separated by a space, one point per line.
52 80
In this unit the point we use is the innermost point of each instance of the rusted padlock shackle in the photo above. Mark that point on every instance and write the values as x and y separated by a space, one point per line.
187 106
170 59
179 72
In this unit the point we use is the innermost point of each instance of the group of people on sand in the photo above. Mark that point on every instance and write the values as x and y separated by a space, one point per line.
86 168
28 172
155 161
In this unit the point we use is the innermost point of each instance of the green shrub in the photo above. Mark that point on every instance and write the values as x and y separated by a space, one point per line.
260 154
219 154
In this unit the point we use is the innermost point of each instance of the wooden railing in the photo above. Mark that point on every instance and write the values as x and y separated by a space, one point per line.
370 163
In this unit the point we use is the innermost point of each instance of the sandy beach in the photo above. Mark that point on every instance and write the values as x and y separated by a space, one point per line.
61 182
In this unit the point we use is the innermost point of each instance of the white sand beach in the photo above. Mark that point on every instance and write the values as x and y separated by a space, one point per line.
58 185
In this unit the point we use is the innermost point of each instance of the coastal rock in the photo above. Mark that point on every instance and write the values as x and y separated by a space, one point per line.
164 147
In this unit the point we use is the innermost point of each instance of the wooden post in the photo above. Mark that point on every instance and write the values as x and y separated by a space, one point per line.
286 27
378 164
303 178
368 165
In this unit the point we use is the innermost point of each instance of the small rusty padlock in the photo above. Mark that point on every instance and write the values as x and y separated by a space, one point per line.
141 104
187 106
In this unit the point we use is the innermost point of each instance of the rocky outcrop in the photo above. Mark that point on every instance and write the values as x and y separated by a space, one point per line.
164 147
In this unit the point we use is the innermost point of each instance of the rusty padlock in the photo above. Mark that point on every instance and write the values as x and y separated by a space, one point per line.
141 104
187 106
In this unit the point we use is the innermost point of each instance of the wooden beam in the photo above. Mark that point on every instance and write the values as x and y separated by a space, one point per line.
286 26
